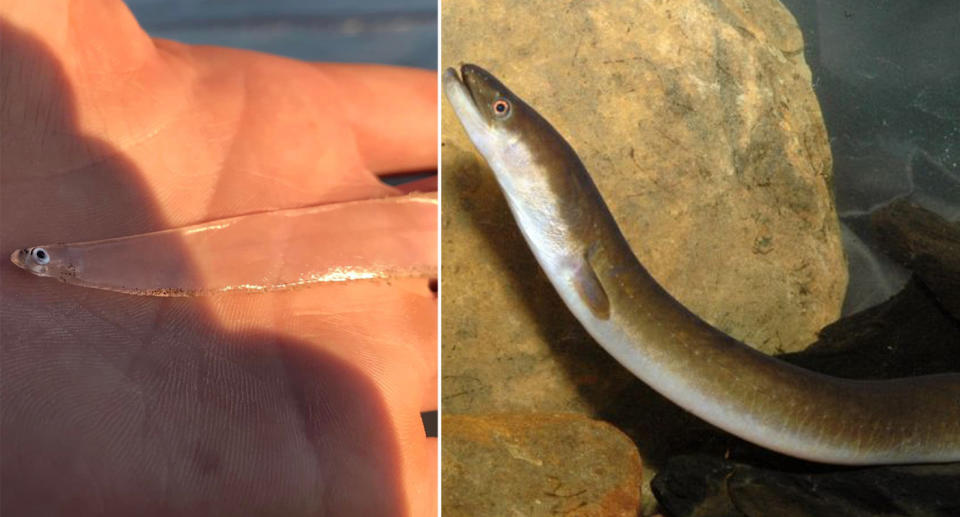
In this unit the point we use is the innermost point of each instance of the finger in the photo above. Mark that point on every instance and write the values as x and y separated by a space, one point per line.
421 375
430 400
420 474
92 36
431 470
429 351
393 112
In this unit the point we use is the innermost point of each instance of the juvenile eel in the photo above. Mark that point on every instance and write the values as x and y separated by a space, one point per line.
378 239
710 374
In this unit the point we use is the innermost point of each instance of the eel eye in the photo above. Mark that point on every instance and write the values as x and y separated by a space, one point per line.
40 256
501 108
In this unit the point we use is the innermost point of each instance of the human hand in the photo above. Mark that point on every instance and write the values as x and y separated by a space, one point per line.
294 403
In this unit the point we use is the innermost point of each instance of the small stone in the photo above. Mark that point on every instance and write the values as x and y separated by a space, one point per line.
529 464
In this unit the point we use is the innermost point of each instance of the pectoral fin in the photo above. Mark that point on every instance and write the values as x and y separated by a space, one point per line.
591 292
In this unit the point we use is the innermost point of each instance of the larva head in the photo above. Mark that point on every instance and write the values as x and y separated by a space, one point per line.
37 260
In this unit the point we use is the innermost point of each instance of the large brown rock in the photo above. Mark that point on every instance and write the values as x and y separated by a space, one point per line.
538 464
699 124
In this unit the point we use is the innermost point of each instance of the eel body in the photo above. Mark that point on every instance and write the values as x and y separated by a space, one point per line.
378 239
766 401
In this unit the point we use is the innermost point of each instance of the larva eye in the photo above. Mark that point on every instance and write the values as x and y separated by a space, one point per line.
501 108
40 256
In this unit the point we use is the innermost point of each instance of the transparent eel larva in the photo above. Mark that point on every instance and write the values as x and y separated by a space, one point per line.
386 238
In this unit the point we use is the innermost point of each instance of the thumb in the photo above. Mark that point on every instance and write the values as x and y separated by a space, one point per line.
92 37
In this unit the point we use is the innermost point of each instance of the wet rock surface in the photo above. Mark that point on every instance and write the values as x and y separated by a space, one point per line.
538 464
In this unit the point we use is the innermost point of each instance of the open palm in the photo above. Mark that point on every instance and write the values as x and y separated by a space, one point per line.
300 402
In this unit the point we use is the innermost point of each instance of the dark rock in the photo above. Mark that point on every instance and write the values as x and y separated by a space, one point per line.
926 244
710 486
908 335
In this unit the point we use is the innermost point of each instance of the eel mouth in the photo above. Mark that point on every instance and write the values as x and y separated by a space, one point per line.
462 97
19 258
453 83
473 78
450 75
469 76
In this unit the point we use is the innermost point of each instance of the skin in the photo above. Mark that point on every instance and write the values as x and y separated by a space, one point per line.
758 398
302 402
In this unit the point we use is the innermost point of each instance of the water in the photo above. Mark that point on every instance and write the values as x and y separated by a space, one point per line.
887 75
398 32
